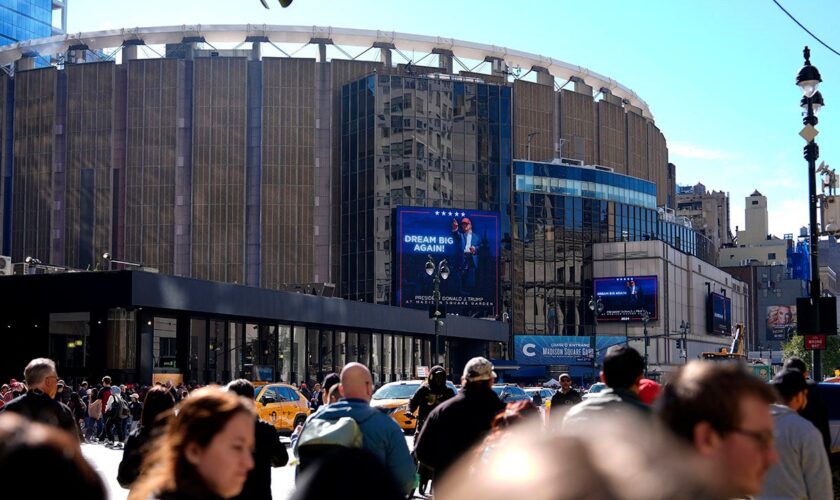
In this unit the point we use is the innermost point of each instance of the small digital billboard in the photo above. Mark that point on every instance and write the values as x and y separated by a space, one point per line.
627 298
467 239
719 314
781 321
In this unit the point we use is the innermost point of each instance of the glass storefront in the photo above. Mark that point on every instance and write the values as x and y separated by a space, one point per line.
121 339
164 345
69 334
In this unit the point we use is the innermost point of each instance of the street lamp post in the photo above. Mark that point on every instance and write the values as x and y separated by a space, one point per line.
808 79
684 328
597 307
439 271
111 260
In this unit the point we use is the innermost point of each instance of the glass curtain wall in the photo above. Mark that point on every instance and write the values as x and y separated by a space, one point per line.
198 350
312 366
413 141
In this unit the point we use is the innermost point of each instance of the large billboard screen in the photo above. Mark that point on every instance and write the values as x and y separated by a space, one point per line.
468 240
627 298
781 321
719 314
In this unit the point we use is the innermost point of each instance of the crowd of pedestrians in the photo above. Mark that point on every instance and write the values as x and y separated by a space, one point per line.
711 431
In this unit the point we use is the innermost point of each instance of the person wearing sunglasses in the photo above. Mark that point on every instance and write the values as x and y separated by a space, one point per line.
38 404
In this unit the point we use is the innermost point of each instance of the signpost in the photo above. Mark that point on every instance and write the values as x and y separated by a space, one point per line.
815 342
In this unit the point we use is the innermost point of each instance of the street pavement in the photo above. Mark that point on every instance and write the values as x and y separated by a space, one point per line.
106 461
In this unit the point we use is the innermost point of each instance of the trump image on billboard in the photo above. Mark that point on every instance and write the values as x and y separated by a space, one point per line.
468 240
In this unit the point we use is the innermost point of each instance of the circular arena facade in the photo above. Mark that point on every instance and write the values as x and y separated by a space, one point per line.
218 152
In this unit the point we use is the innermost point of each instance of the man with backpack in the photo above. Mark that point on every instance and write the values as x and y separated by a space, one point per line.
116 411
351 422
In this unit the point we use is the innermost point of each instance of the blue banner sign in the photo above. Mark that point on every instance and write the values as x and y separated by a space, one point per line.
626 298
468 240
562 350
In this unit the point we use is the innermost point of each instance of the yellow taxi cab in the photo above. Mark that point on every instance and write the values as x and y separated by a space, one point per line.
281 405
393 399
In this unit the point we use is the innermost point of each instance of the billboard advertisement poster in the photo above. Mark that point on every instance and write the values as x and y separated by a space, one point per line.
781 321
627 297
562 350
719 314
468 240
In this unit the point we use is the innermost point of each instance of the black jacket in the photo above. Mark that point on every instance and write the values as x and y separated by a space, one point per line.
268 452
455 426
135 451
561 402
427 398
38 407
817 413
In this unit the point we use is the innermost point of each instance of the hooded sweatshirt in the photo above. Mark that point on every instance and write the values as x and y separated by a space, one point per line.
802 470
431 393
380 435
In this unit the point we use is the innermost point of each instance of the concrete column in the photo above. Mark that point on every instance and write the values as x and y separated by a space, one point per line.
256 51
543 76
445 58
497 66
322 52
129 52
25 63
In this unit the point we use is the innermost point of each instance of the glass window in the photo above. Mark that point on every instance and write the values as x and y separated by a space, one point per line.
326 352
376 358
364 349
288 394
340 350
251 351
164 345
284 353
407 359
235 351
216 369
399 368
268 352
198 350
387 358
352 347
121 340
299 350
312 356
69 334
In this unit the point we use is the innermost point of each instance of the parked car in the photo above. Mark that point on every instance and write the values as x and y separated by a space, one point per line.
281 405
594 389
393 399
509 393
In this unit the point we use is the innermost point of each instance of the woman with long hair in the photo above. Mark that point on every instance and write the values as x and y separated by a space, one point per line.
206 451
157 409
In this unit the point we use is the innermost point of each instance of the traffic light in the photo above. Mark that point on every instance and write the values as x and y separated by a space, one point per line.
679 344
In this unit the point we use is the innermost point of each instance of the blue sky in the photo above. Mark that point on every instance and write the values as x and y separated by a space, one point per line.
718 75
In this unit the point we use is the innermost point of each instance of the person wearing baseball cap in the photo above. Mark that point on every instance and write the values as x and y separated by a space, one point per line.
457 424
563 399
